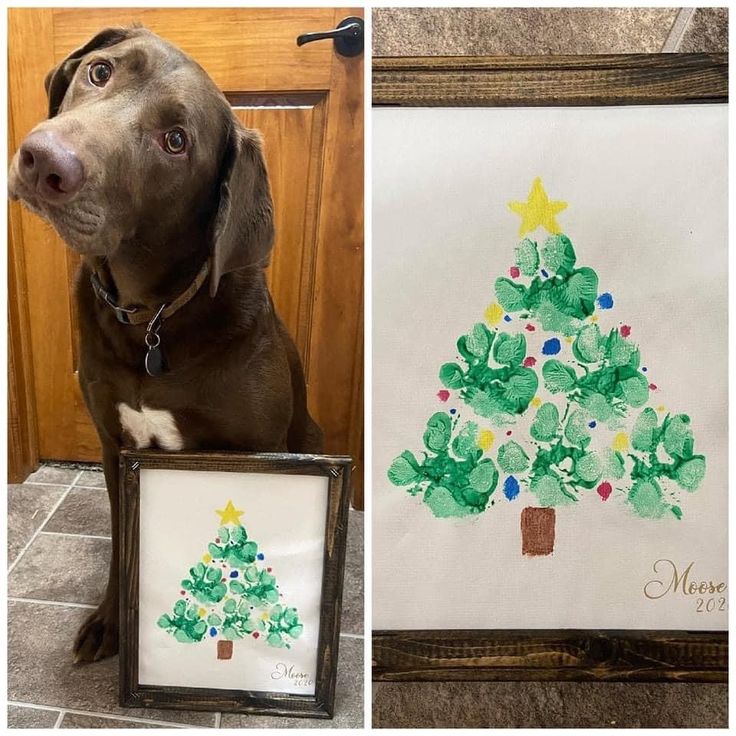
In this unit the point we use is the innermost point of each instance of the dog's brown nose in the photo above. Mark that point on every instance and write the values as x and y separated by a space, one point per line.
48 166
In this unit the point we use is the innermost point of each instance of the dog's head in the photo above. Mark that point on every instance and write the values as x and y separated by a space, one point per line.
139 145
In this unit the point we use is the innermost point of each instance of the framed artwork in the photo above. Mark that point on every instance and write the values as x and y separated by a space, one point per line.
550 499
231 581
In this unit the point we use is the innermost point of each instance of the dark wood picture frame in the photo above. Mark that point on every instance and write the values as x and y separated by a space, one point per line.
321 704
565 654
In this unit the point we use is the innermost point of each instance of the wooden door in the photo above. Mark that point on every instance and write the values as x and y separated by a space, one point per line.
308 103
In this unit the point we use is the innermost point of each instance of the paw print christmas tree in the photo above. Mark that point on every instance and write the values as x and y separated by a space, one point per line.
231 594
549 407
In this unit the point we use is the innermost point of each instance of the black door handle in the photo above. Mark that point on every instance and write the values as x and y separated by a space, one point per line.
348 37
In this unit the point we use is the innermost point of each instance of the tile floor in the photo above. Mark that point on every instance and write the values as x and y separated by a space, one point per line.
58 552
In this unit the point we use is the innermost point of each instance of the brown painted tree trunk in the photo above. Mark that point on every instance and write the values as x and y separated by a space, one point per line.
224 649
537 531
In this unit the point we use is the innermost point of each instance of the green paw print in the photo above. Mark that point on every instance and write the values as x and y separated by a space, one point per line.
495 393
234 547
453 477
185 623
283 624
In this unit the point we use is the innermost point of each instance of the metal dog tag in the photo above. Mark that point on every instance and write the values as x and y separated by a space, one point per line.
155 363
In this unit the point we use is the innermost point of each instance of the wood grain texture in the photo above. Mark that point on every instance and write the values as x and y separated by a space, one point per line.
23 457
56 392
643 656
307 102
624 79
319 705
335 360
293 137
243 50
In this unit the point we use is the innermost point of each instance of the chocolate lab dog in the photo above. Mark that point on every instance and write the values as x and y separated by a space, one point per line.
144 170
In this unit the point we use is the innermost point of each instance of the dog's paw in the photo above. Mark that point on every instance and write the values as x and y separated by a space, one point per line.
98 636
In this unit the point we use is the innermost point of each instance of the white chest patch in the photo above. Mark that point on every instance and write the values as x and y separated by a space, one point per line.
149 425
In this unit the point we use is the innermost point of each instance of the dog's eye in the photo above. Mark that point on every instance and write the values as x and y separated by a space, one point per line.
175 141
100 73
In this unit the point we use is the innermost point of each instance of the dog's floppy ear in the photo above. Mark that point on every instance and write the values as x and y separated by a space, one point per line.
58 79
243 230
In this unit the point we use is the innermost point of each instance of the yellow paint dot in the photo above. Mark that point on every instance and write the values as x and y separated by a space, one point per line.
493 314
661 408
207 558
568 339
536 402
621 442
485 439
594 318
264 616
202 612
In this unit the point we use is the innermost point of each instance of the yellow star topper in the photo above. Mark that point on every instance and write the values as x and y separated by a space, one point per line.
230 515
538 210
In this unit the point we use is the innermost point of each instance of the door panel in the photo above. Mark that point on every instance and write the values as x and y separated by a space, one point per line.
293 134
307 103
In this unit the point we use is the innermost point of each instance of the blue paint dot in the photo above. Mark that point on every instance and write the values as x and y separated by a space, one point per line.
644 369
551 346
511 488
213 631
605 301
452 411
592 425
234 574
544 273
260 555
507 318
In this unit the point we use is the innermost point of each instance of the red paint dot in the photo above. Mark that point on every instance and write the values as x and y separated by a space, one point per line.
217 540
255 634
529 362
182 592
508 434
653 386
625 330
268 569
443 395
604 490
514 271
530 327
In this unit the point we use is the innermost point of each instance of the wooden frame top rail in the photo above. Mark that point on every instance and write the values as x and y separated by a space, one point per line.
616 79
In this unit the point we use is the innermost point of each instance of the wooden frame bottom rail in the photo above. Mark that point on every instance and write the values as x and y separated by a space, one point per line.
565 655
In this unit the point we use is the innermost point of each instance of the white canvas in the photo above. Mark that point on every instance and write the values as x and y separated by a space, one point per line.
646 193
285 515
